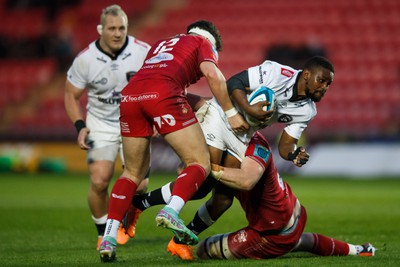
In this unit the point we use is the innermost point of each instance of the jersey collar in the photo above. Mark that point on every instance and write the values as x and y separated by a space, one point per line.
119 51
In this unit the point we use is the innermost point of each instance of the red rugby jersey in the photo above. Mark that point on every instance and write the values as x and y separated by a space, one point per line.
269 205
177 59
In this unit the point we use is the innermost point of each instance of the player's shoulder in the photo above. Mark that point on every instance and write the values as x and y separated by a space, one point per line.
88 53
281 70
259 139
134 42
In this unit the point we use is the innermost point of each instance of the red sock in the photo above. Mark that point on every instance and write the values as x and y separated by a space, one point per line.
327 246
120 198
189 181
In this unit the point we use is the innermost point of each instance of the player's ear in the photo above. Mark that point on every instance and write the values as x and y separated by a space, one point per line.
100 29
306 74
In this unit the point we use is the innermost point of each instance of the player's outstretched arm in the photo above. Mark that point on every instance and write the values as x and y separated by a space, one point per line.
217 84
244 178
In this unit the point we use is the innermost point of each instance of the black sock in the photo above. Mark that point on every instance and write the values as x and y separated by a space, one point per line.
101 228
148 200
197 225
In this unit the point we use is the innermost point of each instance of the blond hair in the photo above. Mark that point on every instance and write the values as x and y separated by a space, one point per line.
114 10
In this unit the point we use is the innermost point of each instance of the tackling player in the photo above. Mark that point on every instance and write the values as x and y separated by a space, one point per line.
103 68
156 96
276 219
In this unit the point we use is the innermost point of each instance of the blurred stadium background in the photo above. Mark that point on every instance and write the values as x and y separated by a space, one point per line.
356 131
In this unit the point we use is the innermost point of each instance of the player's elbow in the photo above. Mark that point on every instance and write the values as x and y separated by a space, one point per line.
248 184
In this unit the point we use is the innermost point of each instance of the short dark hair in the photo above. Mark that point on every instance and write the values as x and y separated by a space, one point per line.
318 61
211 28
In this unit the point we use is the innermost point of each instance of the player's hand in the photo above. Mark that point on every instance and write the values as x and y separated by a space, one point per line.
155 132
299 157
216 171
238 124
82 139
259 112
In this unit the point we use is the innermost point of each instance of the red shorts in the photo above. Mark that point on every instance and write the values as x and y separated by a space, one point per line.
249 243
147 103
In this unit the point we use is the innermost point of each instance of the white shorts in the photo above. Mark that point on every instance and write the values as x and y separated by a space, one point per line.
104 138
218 133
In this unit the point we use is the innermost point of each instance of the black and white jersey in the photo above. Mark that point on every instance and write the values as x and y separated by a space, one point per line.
281 79
104 77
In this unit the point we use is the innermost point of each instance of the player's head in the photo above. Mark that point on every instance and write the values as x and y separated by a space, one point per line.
318 75
113 28
207 30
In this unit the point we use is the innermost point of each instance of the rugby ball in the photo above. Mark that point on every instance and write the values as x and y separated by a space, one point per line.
261 94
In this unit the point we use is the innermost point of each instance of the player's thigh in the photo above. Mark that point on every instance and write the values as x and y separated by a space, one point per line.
136 152
190 145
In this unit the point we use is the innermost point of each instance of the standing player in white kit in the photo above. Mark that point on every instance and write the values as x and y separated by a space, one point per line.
103 68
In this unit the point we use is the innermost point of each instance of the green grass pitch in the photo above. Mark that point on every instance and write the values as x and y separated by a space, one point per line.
45 221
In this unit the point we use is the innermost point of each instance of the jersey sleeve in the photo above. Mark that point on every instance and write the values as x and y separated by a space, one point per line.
77 74
261 74
270 74
259 151
207 52
295 130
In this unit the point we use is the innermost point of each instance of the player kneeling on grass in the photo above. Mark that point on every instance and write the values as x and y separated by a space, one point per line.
276 219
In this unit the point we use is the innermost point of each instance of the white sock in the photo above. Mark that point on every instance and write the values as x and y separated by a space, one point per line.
101 220
176 203
112 228
166 192
205 215
355 249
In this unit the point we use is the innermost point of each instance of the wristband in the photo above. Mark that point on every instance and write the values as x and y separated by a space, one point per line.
79 125
231 112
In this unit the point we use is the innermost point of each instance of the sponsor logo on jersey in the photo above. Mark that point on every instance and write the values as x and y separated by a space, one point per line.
110 101
260 72
163 65
159 58
102 81
124 127
139 98
262 152
285 118
286 72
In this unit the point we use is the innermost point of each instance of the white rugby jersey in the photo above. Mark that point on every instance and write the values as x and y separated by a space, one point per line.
281 79
105 77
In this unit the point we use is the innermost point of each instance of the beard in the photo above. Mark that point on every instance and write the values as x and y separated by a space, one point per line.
316 96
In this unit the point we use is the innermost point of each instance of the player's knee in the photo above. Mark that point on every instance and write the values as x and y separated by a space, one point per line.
214 247
99 185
